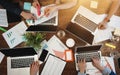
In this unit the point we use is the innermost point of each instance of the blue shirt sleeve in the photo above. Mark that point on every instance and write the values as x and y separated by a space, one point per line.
11 7
81 73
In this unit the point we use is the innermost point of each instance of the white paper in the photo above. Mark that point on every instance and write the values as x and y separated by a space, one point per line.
94 4
41 18
53 66
102 35
3 18
56 47
14 36
1 57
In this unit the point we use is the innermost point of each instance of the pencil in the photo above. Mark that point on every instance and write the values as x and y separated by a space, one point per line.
2 29
108 63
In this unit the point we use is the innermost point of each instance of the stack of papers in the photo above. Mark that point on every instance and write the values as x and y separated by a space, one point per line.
14 36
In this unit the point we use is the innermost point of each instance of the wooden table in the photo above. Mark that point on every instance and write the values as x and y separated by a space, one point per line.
64 18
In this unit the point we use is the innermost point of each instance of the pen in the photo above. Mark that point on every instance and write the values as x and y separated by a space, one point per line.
2 29
108 63
38 10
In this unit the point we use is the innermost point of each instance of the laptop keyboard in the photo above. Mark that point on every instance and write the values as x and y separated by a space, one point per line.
87 56
21 62
86 23
51 21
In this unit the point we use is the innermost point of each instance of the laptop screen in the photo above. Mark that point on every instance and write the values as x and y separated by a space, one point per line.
15 52
92 48
80 32
42 28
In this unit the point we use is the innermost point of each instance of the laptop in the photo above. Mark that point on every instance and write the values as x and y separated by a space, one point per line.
80 32
83 25
19 60
87 52
86 19
42 28
53 21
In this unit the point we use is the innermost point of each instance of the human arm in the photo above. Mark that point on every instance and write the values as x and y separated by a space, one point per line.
34 68
11 7
35 3
59 6
104 70
113 9
82 67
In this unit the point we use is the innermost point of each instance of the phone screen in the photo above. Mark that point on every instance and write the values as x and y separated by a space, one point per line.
43 55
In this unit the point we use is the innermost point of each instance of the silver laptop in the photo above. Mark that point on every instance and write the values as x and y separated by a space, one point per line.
87 52
86 19
52 21
19 60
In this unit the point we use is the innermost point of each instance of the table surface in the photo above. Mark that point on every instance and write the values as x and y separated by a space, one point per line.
64 18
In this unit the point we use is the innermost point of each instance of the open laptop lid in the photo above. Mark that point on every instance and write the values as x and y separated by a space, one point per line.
42 28
15 52
92 48
80 32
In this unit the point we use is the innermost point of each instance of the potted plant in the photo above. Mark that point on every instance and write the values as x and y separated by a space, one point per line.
33 39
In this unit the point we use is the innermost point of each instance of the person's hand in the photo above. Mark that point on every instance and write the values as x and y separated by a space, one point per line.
34 68
35 3
27 15
49 10
102 25
96 63
82 65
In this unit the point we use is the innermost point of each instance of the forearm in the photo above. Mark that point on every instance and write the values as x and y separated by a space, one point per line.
106 71
65 5
113 8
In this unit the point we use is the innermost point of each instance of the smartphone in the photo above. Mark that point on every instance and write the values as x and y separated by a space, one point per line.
43 55
119 62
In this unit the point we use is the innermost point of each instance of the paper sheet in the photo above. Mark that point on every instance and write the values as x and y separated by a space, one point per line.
56 47
102 35
1 57
14 36
3 18
94 4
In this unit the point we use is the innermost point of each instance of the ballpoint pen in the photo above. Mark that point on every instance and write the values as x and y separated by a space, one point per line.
108 63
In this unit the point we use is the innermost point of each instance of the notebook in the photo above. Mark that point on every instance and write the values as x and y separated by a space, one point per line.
19 60
53 66
87 52
42 28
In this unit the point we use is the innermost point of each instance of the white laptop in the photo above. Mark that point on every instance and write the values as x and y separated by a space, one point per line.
19 60
87 52
86 19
